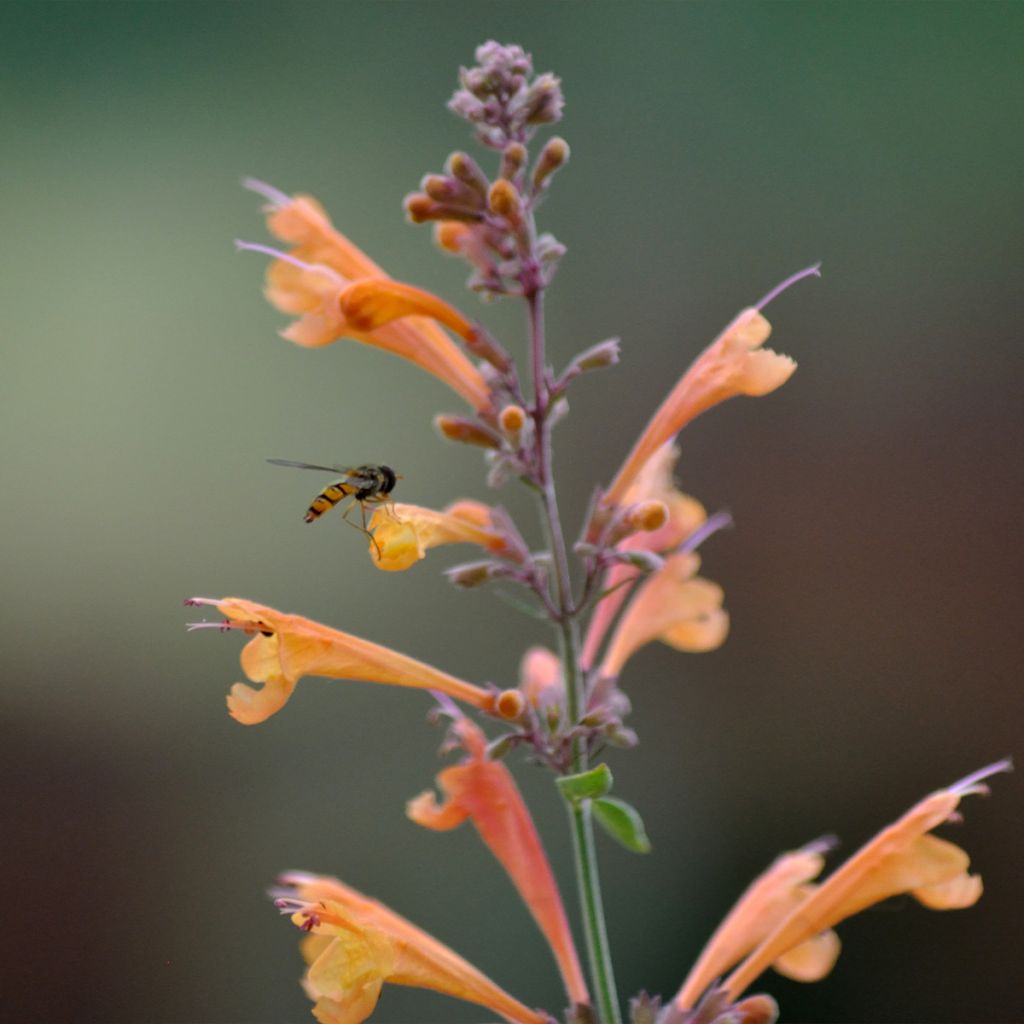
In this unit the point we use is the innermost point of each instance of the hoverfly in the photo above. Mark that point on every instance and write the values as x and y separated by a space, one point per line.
365 485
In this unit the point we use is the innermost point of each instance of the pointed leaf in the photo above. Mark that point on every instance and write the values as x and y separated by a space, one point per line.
623 823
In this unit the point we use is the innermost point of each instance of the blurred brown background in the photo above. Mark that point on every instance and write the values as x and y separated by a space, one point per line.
873 576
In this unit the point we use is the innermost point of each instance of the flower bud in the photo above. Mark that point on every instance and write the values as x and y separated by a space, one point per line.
419 207
512 160
758 1009
544 101
444 189
472 574
449 235
505 201
500 746
467 170
510 704
645 561
466 431
554 154
604 353
512 419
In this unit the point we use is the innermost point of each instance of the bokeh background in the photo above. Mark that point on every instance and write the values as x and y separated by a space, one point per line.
874 574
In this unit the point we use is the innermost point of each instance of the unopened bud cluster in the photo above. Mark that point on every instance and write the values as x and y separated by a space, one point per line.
490 223
502 99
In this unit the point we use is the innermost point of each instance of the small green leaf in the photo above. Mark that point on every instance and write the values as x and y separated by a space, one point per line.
622 823
587 785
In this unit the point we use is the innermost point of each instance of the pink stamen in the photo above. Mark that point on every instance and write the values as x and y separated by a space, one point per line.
823 844
719 521
277 198
192 602
448 706
269 250
973 783
812 271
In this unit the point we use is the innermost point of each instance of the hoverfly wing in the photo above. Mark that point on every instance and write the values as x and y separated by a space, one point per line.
293 464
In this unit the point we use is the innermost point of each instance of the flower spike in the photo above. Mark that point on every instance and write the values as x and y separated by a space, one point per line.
484 791
357 944
284 648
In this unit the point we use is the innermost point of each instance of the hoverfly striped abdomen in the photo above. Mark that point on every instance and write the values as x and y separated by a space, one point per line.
327 499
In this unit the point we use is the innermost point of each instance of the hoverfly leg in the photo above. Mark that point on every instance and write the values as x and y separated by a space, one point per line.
361 529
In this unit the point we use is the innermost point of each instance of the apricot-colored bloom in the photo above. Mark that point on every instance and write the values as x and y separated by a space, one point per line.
338 291
484 791
902 858
287 647
673 605
358 944
733 364
768 899
685 516
403 533
540 678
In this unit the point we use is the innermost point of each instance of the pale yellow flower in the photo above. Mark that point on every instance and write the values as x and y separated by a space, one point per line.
358 944
402 534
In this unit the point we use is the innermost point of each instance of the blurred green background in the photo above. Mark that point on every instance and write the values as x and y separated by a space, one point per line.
873 575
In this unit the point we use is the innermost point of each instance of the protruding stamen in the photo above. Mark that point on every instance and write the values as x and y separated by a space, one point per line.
812 271
448 706
269 250
973 783
223 626
292 905
823 844
268 192
194 602
719 521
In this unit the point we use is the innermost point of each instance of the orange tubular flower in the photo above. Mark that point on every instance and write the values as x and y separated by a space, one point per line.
484 791
339 292
685 516
733 364
769 899
902 858
403 533
287 647
673 605
358 944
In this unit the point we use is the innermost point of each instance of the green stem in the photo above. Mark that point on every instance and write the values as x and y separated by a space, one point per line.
584 851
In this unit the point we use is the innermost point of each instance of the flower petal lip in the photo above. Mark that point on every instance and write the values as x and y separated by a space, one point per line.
359 944
403 533
317 299
484 791
288 647
902 858
673 605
